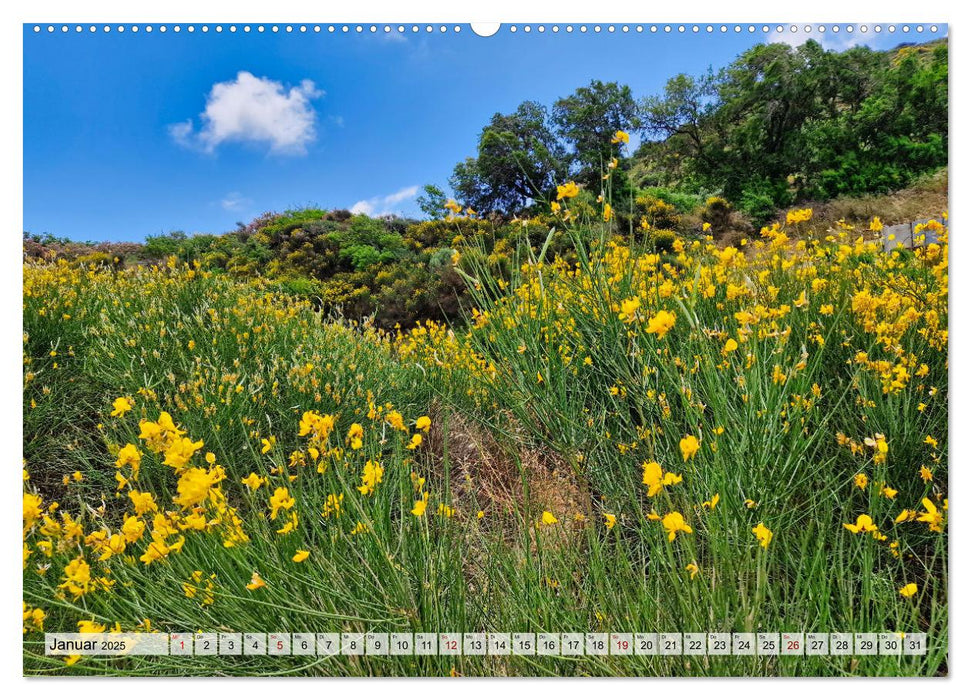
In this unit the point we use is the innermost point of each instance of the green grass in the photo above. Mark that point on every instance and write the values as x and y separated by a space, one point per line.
235 363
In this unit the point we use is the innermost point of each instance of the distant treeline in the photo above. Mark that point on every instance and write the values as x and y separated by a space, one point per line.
399 271
777 126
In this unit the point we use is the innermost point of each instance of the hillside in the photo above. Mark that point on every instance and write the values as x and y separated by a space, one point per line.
695 437
401 272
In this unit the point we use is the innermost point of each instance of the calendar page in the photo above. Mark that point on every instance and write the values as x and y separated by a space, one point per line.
414 349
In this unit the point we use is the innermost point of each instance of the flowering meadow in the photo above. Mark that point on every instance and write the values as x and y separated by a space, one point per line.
699 437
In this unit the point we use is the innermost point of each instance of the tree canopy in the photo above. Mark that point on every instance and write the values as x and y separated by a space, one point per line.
778 125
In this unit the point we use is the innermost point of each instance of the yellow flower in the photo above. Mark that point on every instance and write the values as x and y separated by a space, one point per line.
655 478
333 505
888 492
661 323
797 216
133 528
689 446
933 517
195 484
567 191
710 505
355 436
554 207
445 511
32 510
253 481
129 455
415 442
731 345
395 420
548 518
608 212
878 443
180 451
692 568
423 424
762 534
628 308
620 137
290 525
417 482
674 523
926 474
909 590
90 627
268 444
610 520
142 501
114 545
930 441
315 425
420 505
256 582
121 406
864 523
300 556
453 206
905 515
33 618
371 477
359 529
861 481
77 577
280 499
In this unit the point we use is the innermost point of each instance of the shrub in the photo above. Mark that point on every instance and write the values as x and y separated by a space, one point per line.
662 240
657 212
96 259
717 212
684 202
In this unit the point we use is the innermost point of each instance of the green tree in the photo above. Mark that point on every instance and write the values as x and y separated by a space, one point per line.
782 123
519 159
432 201
587 121
680 115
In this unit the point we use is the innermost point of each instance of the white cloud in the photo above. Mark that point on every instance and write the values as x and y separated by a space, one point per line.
234 201
254 110
383 205
181 133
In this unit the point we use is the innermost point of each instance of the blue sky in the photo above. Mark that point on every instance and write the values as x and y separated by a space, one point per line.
128 135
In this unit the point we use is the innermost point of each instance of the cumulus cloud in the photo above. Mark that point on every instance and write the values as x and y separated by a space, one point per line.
254 110
383 205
